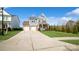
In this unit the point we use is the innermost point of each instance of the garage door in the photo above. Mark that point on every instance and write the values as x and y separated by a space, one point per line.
33 28
26 28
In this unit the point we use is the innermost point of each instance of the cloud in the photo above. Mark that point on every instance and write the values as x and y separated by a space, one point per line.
52 20
66 18
72 15
58 20
74 12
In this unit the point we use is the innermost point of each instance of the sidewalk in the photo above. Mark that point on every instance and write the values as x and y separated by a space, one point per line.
66 38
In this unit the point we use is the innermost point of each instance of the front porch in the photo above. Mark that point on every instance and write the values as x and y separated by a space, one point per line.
43 26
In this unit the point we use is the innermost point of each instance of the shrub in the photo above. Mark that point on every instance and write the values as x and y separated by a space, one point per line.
77 23
17 29
9 29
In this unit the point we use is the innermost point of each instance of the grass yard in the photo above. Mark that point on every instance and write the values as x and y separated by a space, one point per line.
59 34
76 42
9 35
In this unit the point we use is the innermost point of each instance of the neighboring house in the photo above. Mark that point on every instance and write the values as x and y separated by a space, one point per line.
10 21
15 22
36 23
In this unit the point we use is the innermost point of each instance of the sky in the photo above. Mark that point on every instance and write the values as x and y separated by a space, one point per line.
55 15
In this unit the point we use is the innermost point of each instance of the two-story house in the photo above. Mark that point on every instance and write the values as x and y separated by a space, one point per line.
36 23
9 21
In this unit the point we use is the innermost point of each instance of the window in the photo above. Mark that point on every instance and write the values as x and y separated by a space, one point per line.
33 21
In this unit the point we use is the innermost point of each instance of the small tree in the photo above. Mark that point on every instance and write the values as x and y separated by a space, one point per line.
63 28
54 28
75 30
50 28
77 24
69 26
67 29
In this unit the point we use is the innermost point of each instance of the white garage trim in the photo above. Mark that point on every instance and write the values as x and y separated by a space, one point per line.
26 28
33 28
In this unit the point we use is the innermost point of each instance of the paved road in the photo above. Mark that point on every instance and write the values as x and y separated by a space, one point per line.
34 41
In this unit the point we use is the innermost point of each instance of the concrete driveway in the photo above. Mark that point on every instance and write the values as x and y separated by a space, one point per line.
34 41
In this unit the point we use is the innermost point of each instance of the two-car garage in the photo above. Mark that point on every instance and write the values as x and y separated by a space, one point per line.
30 28
27 27
33 28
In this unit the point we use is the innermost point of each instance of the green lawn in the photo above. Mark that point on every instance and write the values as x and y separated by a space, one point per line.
59 34
9 35
76 42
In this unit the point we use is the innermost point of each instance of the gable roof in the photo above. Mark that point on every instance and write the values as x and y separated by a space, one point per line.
42 16
4 13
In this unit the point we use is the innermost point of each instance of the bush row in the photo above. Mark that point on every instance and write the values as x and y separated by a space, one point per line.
69 27
14 29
